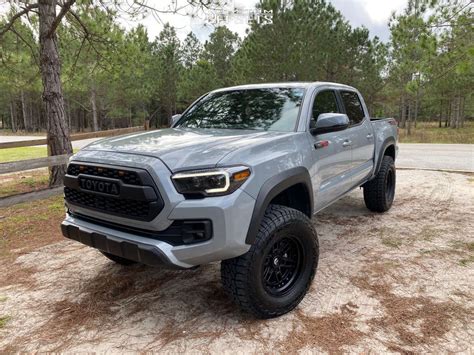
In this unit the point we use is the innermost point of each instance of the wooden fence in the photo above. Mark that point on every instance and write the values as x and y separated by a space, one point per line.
74 137
11 167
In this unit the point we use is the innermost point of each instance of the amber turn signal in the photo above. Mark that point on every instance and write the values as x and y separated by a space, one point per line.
241 175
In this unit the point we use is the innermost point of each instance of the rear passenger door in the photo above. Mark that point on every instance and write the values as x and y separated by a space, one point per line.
360 134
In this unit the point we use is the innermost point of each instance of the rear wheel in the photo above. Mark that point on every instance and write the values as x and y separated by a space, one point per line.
380 191
118 259
274 275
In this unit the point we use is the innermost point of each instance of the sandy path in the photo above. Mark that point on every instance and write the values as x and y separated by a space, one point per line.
401 281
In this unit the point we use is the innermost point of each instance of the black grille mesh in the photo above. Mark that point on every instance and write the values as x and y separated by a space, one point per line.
128 177
124 207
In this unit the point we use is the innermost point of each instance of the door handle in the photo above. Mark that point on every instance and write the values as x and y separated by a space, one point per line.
369 136
346 143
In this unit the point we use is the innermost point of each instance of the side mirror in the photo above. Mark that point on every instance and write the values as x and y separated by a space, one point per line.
330 122
174 119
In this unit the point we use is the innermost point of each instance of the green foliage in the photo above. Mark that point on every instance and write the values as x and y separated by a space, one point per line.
219 51
191 51
166 65
431 57
199 79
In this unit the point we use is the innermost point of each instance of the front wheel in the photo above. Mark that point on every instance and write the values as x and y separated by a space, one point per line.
380 191
274 275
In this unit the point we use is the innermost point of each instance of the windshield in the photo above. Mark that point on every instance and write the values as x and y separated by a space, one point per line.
269 109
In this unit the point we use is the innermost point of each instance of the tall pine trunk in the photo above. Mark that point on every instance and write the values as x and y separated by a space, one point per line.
409 117
462 115
440 113
24 111
415 115
403 117
58 138
13 116
95 119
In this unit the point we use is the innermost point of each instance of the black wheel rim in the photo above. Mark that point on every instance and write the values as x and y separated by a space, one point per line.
282 265
390 186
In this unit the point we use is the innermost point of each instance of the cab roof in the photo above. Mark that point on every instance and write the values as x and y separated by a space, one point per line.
289 84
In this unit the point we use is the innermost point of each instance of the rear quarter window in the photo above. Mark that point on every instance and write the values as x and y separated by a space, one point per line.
353 106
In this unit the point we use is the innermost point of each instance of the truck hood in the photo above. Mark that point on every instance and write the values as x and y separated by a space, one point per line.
185 148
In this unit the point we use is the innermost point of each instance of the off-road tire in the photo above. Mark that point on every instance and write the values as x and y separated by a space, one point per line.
380 191
243 277
118 259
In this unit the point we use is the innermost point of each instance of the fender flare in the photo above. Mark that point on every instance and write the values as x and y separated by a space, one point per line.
387 142
270 189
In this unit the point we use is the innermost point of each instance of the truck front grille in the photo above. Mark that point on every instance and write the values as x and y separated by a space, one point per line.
124 207
137 196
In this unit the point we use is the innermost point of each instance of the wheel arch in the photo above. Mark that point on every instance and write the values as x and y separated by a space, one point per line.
296 180
387 148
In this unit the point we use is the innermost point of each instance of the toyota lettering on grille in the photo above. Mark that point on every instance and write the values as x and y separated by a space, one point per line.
105 187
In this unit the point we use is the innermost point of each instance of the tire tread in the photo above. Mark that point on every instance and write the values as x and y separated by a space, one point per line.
374 190
235 272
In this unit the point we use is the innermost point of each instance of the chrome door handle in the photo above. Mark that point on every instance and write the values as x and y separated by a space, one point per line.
346 143
369 136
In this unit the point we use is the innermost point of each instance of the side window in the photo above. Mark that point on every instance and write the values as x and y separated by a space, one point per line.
353 106
324 102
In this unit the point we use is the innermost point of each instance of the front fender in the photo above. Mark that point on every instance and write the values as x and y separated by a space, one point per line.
270 189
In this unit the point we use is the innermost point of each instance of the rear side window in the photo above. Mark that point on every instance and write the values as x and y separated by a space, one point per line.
325 102
353 106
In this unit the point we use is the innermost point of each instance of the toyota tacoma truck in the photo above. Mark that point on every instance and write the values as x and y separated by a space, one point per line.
236 179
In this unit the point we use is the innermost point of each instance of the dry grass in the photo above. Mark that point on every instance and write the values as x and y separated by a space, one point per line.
402 314
429 132
3 321
330 333
24 228
30 225
22 182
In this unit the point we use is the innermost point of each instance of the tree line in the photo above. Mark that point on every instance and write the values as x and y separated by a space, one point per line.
110 77
116 78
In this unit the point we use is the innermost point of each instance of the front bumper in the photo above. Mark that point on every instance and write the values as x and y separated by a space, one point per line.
230 217
136 251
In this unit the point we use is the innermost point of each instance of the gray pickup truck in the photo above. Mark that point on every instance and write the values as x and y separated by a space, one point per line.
236 179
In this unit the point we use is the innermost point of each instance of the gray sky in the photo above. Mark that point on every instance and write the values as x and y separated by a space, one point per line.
373 14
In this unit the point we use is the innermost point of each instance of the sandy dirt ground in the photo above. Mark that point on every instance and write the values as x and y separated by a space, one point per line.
398 282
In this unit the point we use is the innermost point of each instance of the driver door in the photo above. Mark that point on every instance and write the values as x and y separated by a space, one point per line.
331 154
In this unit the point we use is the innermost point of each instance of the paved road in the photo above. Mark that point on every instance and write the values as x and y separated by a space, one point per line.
5 139
425 156
437 156
75 144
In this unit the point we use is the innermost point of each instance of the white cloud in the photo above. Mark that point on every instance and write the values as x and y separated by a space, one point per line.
373 14
380 11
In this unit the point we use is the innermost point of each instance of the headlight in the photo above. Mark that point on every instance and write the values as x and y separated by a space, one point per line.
211 182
